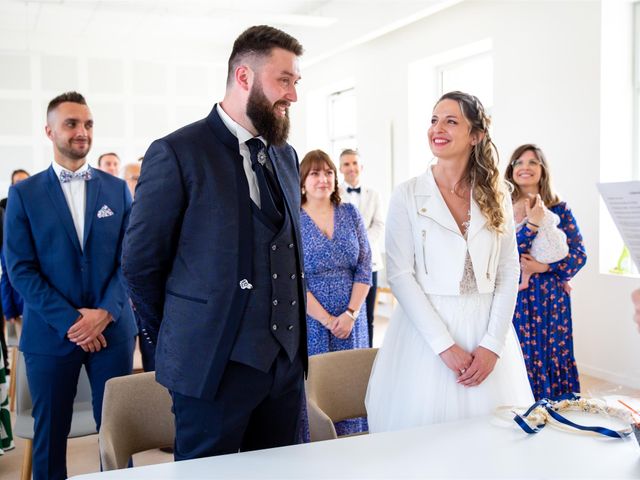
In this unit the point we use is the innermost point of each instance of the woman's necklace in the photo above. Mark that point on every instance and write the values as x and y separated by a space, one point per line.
450 190
323 219
461 193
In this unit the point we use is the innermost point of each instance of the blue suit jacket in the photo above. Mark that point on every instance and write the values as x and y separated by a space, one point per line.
189 246
11 300
52 273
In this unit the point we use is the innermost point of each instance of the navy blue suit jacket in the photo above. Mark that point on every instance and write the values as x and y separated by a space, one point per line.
189 246
52 273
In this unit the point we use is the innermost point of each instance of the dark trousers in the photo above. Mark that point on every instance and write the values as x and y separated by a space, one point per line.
147 349
148 354
53 382
370 302
251 411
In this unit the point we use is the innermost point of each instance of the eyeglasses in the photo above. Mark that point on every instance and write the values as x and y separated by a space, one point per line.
519 162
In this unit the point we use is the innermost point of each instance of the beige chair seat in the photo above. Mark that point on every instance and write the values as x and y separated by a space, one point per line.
336 387
82 421
136 416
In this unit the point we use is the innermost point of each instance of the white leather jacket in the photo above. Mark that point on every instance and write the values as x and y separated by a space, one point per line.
426 253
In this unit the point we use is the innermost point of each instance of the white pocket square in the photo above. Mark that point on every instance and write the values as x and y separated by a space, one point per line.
104 212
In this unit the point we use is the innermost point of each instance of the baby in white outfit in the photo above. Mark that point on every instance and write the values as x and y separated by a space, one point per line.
548 246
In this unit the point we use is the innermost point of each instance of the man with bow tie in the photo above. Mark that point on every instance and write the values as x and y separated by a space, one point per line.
213 260
63 256
367 201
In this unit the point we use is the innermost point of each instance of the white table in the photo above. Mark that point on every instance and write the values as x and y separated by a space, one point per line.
480 448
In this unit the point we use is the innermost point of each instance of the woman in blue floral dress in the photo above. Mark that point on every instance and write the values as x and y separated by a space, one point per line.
542 317
337 266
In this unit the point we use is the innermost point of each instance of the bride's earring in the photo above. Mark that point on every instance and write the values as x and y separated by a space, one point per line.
303 191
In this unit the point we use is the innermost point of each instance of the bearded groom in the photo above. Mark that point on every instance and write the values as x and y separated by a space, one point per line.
212 256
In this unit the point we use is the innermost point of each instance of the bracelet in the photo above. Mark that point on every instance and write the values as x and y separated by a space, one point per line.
533 224
351 313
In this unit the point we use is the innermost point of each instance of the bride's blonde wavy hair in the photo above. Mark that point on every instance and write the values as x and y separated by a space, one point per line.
482 169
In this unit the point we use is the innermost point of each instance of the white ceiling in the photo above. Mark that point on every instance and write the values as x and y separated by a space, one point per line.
197 28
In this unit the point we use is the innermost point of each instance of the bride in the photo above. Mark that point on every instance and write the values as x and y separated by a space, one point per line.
450 351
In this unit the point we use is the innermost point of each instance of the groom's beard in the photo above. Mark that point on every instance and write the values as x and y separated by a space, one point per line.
273 128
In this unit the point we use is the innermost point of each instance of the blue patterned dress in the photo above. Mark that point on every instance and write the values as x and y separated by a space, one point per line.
331 267
542 317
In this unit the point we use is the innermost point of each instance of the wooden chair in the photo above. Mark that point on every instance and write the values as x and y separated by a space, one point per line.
13 341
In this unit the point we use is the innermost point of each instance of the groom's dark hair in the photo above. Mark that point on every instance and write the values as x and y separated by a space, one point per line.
258 42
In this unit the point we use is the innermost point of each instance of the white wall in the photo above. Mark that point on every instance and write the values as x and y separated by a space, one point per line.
134 99
547 60
554 85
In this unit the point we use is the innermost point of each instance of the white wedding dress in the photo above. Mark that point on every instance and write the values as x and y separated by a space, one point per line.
411 386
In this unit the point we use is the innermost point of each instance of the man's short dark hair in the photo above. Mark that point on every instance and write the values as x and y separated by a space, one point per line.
106 155
16 172
259 41
73 97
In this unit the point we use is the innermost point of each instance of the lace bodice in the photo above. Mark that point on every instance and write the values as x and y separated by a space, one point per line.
468 283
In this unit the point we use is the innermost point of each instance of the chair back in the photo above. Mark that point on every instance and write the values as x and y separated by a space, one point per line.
82 422
136 416
337 385
13 333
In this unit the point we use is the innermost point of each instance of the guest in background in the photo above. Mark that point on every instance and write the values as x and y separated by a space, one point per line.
63 254
16 177
543 313
6 435
131 173
110 163
10 300
337 266
367 201
3 335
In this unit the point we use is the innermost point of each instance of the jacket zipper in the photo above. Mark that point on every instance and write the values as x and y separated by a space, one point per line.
424 251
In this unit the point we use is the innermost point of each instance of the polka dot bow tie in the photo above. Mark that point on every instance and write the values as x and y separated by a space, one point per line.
66 176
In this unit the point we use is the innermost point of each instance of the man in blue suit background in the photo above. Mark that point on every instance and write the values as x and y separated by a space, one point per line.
63 255
213 259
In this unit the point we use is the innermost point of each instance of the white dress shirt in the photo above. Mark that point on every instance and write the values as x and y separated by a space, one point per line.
242 134
75 194
354 197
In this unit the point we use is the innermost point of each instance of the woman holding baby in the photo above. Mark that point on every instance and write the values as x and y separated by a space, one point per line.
551 253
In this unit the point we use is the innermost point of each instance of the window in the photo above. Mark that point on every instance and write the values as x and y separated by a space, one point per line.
472 75
468 68
342 119
636 92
